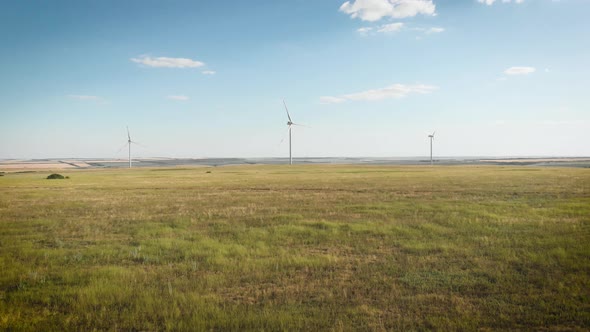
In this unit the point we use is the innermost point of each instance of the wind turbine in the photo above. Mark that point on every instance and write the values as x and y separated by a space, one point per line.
290 124
128 144
431 139
129 141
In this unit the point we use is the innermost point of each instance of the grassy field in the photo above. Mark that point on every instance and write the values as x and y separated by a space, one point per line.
296 248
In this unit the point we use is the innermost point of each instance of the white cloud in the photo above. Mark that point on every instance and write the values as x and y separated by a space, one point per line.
208 72
178 98
429 31
364 31
165 62
435 30
85 97
491 2
385 28
374 10
519 70
392 27
392 91
396 27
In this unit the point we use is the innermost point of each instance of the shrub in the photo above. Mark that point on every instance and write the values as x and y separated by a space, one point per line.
55 176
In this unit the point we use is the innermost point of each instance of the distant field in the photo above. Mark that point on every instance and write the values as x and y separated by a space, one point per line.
56 164
296 248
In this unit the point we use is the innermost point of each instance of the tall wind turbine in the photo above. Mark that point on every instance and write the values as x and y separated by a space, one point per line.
128 145
129 141
290 125
431 139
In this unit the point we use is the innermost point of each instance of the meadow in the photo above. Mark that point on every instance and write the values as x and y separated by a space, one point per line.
330 248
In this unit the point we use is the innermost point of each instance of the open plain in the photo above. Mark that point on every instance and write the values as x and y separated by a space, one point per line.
316 247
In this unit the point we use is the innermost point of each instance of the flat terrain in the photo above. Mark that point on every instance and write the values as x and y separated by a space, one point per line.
296 248
12 165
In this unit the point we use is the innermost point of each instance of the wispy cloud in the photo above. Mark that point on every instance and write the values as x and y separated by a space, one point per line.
165 62
396 27
178 97
364 30
430 30
84 97
208 72
519 70
374 10
392 27
491 2
384 28
434 30
393 91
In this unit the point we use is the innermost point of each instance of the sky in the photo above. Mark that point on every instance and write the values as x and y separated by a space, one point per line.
367 78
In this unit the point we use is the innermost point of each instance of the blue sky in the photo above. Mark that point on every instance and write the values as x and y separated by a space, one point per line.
369 78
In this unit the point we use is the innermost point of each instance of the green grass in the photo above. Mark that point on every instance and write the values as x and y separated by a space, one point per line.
296 248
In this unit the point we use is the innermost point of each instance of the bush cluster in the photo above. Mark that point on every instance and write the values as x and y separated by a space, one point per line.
57 176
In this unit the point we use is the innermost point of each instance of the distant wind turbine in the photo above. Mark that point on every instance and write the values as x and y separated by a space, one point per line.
290 124
129 142
431 139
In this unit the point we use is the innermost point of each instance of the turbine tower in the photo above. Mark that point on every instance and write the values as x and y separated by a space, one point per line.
431 139
290 125
129 144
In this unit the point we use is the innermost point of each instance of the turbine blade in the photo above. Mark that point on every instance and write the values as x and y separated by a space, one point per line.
434 132
286 135
139 144
301 125
286 109
121 148
128 135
